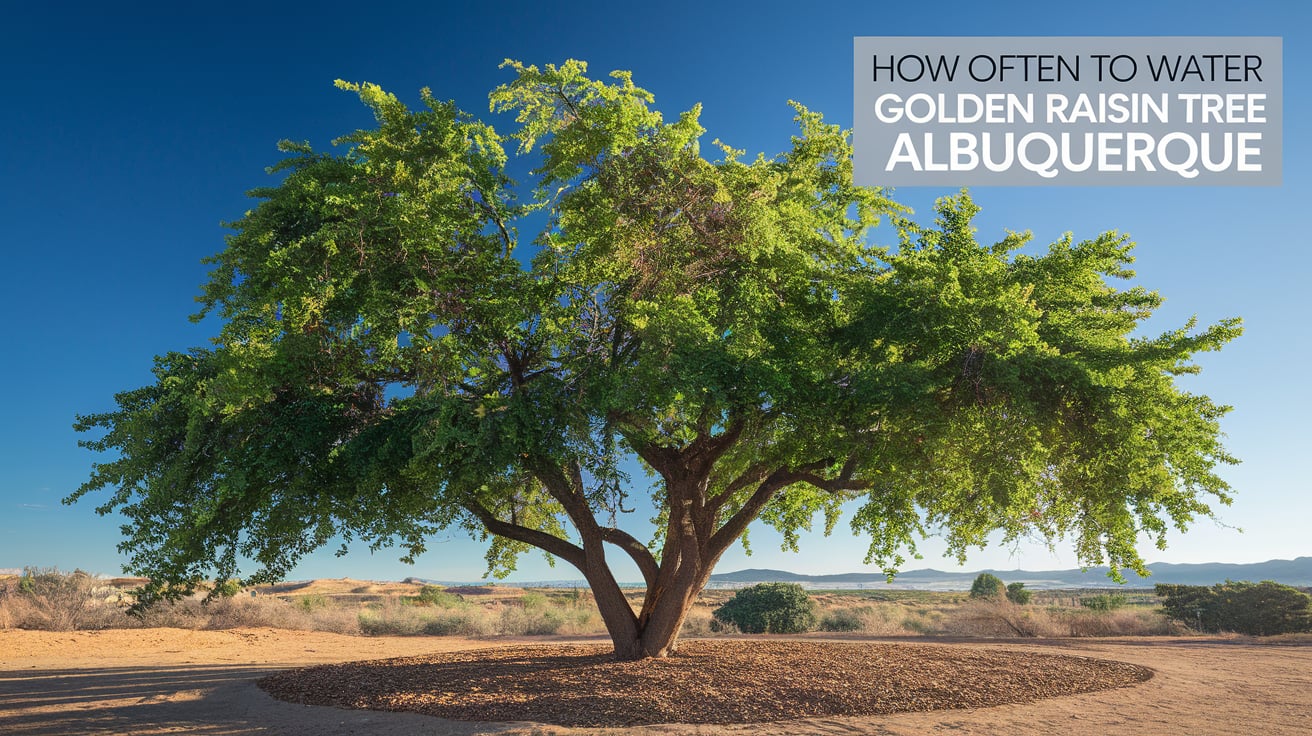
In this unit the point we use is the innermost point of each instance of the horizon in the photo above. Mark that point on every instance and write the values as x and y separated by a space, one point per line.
139 131
579 581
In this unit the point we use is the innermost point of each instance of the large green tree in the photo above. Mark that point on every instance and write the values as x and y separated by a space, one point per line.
396 359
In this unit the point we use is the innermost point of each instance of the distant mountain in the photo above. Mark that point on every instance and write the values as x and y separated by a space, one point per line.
1297 572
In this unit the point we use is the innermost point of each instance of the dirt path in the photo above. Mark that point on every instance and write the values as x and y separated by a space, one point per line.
160 681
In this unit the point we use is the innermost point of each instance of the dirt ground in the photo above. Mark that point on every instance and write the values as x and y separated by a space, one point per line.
160 681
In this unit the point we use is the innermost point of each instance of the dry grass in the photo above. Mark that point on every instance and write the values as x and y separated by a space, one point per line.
65 601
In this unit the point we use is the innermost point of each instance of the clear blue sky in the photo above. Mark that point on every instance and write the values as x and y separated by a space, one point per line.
129 133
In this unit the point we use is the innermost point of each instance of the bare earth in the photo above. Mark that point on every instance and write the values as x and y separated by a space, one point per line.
159 681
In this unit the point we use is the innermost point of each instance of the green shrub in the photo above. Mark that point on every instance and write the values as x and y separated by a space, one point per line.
227 588
1259 609
533 601
312 602
842 619
987 586
775 608
1103 602
1017 594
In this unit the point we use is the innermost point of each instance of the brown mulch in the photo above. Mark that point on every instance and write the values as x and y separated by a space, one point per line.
706 682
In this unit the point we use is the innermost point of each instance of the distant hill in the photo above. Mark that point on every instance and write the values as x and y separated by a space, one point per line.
1297 572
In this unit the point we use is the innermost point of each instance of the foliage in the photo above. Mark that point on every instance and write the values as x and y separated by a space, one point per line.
770 608
227 588
1260 609
396 359
987 586
1017 594
1103 602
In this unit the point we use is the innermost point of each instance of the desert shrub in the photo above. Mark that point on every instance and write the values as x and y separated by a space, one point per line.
1017 594
464 623
924 620
776 608
521 621
436 595
1119 622
1260 609
374 625
842 619
700 622
987 586
890 619
48 599
998 617
311 602
1103 602
533 601
276 613
395 618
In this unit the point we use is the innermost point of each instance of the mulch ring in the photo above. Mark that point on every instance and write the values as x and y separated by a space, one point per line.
706 682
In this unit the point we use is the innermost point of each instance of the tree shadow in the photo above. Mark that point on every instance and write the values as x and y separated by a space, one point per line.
210 700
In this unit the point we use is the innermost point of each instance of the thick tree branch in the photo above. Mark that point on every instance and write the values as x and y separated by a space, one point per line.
663 460
843 482
566 487
709 448
755 473
561 548
636 550
779 479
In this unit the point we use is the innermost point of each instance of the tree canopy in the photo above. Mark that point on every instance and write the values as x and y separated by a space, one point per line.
413 342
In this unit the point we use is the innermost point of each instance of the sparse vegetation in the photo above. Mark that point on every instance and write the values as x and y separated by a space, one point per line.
54 600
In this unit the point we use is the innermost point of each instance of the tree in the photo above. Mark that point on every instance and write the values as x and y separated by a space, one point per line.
1017 594
395 359
1260 609
987 586
774 608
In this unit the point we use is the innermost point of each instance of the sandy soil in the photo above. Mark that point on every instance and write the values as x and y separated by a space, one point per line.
159 681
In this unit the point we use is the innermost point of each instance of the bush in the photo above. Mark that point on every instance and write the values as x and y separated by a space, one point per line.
227 588
997 617
987 586
1017 594
52 600
435 595
530 621
842 619
533 601
775 608
1259 609
1103 602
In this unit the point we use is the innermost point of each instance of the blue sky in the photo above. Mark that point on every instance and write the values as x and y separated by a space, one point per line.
130 132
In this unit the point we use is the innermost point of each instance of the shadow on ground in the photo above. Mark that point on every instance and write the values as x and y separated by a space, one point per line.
211 700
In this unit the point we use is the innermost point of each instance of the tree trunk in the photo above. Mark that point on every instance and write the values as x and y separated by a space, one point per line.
657 633
686 563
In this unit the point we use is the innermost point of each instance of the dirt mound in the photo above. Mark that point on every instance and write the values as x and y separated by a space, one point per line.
707 682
